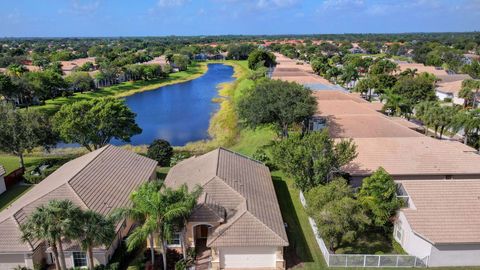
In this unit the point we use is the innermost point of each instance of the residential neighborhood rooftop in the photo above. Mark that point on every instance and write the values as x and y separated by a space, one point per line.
241 186
101 180
414 156
444 212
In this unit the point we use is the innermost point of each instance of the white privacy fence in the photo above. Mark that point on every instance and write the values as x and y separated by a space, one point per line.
362 260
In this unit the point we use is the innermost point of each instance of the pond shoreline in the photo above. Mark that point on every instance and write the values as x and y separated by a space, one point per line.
125 89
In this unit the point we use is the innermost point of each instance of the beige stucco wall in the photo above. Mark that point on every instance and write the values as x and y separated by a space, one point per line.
10 261
3 188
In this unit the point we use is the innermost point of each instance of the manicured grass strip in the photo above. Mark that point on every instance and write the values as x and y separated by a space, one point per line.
303 252
9 196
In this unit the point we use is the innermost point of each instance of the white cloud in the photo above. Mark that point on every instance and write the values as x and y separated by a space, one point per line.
171 3
83 6
276 3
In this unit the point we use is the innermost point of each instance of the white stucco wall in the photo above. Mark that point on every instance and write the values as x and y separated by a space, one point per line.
442 95
455 255
248 257
412 243
438 255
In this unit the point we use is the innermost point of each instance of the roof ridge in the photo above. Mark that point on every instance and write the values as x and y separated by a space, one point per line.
88 163
238 154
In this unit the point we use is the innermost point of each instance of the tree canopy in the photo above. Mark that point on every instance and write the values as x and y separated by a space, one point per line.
260 58
313 159
94 123
277 102
378 195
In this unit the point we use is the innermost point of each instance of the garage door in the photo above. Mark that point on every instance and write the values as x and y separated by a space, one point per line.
247 257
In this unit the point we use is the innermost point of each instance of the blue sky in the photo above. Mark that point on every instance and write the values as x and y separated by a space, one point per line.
59 18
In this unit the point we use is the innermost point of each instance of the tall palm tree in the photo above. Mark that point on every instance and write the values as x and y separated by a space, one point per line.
155 208
96 230
474 85
469 121
396 103
53 222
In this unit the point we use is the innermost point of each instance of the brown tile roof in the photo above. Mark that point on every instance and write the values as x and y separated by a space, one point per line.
101 180
2 170
414 156
444 211
421 68
453 87
367 126
244 188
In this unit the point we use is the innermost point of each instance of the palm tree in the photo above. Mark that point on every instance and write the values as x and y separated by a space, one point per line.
469 121
96 230
53 222
468 96
396 103
423 112
155 208
473 85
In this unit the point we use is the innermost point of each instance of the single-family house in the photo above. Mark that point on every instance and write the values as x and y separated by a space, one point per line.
3 187
440 221
396 145
101 180
237 223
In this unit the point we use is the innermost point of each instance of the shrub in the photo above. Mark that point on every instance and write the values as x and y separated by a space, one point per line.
161 151
177 157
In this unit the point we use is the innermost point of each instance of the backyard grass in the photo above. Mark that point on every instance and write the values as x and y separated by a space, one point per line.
9 196
11 163
125 89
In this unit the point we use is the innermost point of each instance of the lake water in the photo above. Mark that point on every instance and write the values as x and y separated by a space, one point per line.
179 113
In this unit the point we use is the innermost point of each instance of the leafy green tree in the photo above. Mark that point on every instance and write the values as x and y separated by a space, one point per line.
395 104
239 51
474 86
161 151
260 58
95 230
277 102
415 90
16 70
94 123
7 88
313 159
181 61
378 195
383 66
156 209
45 84
340 221
53 222
80 81
469 122
321 195
23 130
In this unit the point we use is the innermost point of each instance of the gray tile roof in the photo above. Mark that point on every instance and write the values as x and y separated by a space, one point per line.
244 188
101 180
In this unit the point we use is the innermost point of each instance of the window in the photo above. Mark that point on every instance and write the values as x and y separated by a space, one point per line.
398 232
175 240
79 259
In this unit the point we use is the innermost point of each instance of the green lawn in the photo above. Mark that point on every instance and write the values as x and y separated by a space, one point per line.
125 89
9 196
11 163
